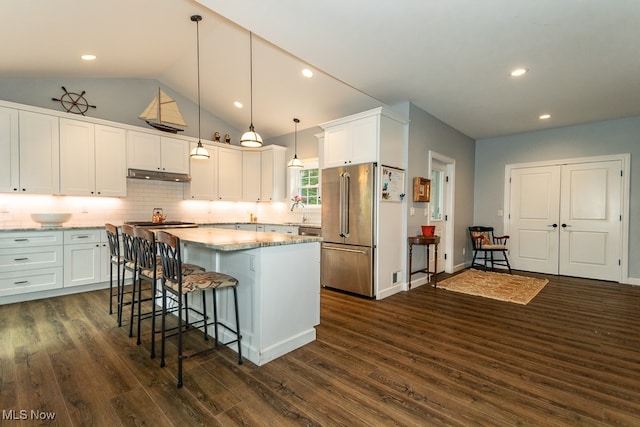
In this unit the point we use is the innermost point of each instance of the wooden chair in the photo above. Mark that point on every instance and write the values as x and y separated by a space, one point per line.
485 244
179 284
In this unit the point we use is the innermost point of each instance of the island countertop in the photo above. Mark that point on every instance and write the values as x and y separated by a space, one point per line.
233 240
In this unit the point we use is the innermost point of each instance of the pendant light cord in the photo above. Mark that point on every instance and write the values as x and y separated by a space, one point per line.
198 62
251 79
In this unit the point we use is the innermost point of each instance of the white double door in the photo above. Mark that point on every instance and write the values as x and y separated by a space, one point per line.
566 219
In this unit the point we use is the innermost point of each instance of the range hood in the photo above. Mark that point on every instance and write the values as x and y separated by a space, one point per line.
158 176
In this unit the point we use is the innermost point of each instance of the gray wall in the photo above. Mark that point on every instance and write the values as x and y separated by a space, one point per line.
118 100
594 139
428 133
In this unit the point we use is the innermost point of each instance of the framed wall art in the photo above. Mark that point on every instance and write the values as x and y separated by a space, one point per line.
421 189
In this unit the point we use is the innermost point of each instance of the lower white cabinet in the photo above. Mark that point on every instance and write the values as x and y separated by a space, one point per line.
30 261
82 257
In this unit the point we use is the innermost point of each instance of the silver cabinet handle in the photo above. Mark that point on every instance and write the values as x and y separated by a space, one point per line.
22 282
21 259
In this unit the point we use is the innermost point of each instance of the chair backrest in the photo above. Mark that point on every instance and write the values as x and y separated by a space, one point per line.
480 235
114 241
146 248
169 249
128 243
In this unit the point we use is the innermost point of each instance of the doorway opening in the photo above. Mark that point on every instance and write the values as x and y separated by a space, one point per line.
441 171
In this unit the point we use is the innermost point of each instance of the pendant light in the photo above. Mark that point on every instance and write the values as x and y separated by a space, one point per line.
251 137
199 152
295 162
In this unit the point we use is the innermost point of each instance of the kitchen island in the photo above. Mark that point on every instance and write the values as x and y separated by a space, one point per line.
279 285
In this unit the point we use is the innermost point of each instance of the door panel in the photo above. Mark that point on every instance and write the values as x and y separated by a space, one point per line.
590 220
535 204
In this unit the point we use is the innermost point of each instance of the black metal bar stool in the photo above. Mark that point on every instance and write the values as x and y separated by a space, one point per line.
150 269
176 283
117 261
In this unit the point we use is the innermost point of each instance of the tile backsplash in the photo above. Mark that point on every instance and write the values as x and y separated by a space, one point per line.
142 197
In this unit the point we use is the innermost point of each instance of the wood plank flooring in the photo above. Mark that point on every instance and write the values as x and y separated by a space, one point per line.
427 357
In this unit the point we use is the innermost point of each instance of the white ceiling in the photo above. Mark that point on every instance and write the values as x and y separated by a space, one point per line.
449 57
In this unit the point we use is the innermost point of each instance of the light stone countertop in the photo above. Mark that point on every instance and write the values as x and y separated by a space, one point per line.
234 240
79 227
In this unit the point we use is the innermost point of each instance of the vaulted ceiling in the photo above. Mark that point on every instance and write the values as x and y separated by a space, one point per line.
451 58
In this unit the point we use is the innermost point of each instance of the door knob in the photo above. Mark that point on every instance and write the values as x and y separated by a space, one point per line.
552 225
565 225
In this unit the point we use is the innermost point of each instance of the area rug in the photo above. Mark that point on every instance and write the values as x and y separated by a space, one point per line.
500 286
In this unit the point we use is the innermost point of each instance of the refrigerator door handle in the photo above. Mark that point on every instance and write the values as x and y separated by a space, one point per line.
344 250
345 183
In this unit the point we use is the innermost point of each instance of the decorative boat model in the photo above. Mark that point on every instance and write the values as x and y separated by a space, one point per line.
163 114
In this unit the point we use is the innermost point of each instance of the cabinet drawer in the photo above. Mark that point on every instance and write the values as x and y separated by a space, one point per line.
30 258
30 238
21 282
72 237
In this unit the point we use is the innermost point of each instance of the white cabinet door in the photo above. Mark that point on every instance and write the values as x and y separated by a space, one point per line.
175 155
9 151
110 161
204 175
77 158
251 161
39 153
273 174
364 140
82 257
229 174
337 148
143 151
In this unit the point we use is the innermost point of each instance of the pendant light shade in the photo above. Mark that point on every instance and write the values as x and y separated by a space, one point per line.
295 162
199 152
251 137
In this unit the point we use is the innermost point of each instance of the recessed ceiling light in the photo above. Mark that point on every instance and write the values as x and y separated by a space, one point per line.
307 73
518 72
88 57
544 116
238 104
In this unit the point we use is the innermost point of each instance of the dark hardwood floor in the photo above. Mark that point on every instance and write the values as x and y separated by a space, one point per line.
571 357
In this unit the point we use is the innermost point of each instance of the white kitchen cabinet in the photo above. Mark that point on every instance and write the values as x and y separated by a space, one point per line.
30 261
82 257
352 142
92 159
204 175
273 173
251 161
39 153
247 227
111 161
149 151
9 151
284 229
229 174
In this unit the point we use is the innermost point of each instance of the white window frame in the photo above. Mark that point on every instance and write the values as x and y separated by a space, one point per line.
294 179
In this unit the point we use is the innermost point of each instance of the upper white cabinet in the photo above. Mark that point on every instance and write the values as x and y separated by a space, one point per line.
9 151
149 151
374 135
39 153
273 173
92 159
204 175
229 174
251 161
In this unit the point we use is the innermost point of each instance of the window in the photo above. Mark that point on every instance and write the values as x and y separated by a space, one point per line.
305 182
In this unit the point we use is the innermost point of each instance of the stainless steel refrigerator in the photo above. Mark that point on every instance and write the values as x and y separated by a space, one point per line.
348 227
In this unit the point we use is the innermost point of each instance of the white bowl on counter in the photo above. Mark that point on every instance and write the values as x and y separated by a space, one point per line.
51 220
